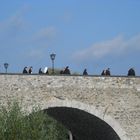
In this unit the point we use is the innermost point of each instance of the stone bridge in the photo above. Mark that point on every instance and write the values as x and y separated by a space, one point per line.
91 107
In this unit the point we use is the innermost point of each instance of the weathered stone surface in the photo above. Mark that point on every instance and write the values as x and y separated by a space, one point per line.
116 100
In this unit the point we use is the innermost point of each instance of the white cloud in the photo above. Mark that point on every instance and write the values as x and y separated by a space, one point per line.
134 43
36 54
11 28
15 21
39 41
46 33
115 46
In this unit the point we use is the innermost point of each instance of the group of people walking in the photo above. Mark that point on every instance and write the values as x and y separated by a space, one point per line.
27 70
106 72
66 70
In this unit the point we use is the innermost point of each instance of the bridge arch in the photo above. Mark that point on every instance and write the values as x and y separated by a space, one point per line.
55 103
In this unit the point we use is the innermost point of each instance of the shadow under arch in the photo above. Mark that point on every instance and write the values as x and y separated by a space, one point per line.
83 125
70 111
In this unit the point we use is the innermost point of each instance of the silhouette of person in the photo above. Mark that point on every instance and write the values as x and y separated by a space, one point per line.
40 71
108 72
25 70
66 71
30 70
103 72
85 72
131 72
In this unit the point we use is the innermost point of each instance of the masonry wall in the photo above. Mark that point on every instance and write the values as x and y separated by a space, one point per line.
117 97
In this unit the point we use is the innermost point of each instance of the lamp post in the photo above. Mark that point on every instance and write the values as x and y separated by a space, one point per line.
52 56
6 67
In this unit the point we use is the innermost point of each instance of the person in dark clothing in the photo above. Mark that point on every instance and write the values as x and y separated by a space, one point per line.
40 71
25 70
108 72
30 70
131 72
66 71
103 72
85 72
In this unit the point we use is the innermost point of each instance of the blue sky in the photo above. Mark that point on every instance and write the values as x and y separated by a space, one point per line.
92 34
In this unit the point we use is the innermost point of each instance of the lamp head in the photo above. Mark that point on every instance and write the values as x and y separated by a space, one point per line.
52 56
6 65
